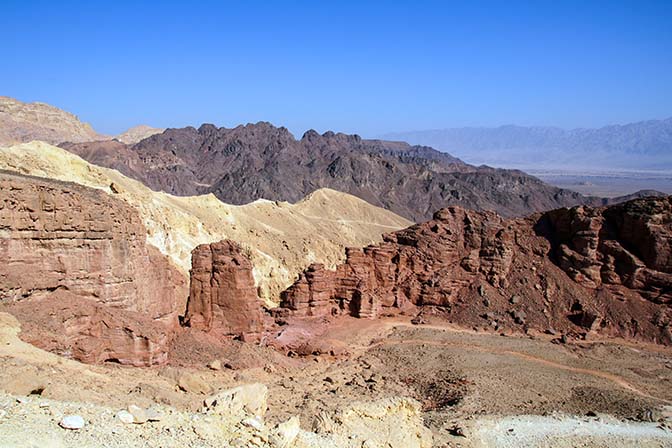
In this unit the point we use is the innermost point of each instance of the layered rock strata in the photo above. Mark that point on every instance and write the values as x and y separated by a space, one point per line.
79 275
628 244
24 122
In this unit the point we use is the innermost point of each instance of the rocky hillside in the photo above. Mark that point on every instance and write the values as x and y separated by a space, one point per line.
575 270
261 161
24 122
281 238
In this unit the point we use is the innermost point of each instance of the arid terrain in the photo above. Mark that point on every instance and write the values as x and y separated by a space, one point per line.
338 224
473 389
245 163
138 309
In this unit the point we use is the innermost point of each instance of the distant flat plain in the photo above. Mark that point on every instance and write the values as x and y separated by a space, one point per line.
606 183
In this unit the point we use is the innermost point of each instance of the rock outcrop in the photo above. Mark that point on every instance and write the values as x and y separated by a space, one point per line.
580 269
222 297
426 264
78 273
628 244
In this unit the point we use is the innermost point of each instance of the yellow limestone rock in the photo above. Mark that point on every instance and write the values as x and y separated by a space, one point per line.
246 399
390 422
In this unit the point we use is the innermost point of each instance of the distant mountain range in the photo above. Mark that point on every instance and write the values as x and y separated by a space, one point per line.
260 160
645 145
246 163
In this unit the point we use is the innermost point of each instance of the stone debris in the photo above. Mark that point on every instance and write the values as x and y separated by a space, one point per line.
253 422
139 414
124 417
193 383
72 422
246 399
215 365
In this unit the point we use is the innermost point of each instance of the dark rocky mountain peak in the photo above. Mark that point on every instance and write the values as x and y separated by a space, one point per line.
260 160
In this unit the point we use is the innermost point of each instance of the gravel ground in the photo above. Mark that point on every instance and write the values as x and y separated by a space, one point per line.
568 431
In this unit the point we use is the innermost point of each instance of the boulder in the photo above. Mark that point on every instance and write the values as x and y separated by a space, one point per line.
248 399
193 383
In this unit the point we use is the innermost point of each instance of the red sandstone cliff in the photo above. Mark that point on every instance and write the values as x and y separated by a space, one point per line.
78 274
222 297
572 270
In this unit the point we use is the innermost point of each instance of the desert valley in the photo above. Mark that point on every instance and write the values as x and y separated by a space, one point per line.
240 287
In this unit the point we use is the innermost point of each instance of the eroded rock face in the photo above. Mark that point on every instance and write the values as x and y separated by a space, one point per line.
628 244
572 270
222 295
426 264
79 276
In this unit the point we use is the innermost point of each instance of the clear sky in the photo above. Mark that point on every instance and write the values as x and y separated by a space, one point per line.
359 67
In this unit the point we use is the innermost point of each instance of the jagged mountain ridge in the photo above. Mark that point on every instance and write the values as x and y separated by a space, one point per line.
260 160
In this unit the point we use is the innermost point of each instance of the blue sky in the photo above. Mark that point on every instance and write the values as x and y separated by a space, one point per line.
357 67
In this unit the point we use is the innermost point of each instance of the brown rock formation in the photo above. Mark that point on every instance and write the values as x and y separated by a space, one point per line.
78 274
572 270
628 244
222 296
426 264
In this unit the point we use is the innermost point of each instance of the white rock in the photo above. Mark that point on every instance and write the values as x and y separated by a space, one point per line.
139 414
72 422
253 422
153 415
124 417
285 433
